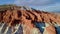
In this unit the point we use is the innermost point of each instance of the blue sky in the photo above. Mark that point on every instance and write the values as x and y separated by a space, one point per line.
46 5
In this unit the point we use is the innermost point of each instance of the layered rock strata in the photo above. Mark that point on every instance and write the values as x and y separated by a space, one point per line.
24 21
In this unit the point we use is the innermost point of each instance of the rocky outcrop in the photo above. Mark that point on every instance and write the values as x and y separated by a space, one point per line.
31 21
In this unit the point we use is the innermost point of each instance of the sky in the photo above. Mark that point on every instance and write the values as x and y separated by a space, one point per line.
45 5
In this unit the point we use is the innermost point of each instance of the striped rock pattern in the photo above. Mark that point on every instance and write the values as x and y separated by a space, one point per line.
24 21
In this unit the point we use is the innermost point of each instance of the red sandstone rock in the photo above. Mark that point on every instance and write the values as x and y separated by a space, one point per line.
26 17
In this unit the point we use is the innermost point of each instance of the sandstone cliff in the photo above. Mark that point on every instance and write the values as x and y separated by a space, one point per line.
31 21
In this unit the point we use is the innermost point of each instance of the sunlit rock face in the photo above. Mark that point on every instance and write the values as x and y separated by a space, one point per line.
19 20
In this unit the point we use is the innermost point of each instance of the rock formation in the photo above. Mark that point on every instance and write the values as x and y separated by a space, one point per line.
19 20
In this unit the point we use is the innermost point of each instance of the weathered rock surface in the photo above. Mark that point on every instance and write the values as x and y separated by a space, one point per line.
23 21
